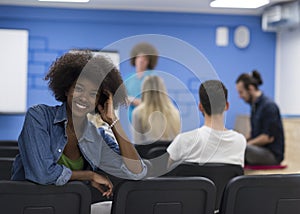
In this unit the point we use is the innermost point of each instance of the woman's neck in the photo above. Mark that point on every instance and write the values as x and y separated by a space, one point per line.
76 125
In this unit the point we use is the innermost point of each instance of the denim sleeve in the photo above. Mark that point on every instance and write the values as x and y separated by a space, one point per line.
35 150
64 177
113 164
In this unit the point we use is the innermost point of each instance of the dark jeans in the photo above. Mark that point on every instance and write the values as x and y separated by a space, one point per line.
257 155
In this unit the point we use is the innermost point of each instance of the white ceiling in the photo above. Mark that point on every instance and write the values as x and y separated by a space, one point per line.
194 6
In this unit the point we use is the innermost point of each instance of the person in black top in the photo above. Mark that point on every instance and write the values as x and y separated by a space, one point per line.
266 143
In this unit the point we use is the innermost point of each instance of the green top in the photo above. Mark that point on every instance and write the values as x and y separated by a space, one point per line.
71 164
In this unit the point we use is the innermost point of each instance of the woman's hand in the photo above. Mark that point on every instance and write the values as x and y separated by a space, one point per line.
100 182
107 111
103 184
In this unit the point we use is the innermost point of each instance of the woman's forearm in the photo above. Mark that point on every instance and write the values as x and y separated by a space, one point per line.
82 175
129 153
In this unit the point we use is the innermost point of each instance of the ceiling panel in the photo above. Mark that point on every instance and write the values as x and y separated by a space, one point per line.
194 6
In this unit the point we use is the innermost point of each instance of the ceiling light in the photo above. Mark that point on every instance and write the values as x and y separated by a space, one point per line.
239 3
69 1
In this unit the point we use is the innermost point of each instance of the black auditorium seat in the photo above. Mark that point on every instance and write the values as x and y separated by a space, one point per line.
219 173
262 194
23 197
165 196
8 151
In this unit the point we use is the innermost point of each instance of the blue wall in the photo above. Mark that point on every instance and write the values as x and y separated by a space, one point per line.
54 31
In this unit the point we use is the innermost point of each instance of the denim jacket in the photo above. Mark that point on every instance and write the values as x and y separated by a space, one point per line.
42 141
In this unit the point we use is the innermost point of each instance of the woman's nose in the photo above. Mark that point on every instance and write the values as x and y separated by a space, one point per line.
84 96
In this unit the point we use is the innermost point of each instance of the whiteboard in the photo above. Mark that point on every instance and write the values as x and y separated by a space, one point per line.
13 72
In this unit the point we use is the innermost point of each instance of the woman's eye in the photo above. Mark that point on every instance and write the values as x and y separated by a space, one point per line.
94 94
78 89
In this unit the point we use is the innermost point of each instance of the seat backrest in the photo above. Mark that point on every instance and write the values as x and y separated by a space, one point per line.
156 154
8 152
156 151
143 149
165 196
23 197
219 173
262 194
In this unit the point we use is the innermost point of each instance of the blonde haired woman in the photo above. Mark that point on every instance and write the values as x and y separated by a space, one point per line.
156 118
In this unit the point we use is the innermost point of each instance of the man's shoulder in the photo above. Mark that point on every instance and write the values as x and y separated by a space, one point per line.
237 137
268 101
190 135
270 106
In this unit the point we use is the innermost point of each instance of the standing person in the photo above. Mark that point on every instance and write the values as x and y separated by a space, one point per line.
213 142
144 58
266 143
156 118
58 144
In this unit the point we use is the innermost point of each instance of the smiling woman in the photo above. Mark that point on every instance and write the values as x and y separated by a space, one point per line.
58 143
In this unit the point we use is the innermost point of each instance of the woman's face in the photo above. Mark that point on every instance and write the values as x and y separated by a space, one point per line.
82 97
141 62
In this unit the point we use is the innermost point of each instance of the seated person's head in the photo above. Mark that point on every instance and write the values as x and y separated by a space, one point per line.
154 91
213 97
247 85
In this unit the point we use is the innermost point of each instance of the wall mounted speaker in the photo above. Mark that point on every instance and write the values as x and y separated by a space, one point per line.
241 37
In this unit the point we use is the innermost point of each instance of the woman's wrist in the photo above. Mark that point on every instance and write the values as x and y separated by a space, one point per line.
91 175
113 123
82 175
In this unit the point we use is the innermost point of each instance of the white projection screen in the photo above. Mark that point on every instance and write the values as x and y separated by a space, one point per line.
13 72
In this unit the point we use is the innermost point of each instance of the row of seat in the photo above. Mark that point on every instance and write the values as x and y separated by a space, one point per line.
8 151
219 174
260 194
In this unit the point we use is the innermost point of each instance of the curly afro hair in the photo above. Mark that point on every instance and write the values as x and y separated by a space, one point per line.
146 49
65 71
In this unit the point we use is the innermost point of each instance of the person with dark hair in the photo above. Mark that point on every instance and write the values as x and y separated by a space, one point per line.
211 143
266 143
144 58
58 144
